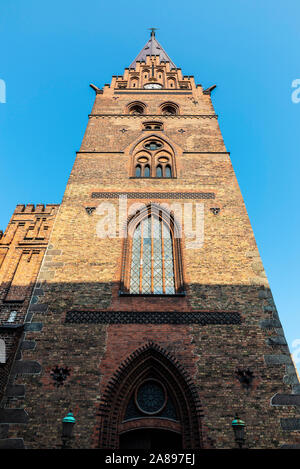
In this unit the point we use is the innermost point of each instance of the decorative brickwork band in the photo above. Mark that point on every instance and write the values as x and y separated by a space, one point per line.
153 195
150 317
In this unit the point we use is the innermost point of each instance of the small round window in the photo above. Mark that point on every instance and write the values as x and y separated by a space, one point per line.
151 397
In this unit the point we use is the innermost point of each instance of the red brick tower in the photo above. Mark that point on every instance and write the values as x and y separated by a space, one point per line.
152 318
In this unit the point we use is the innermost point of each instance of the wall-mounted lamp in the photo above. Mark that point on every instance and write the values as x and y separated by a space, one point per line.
238 427
68 423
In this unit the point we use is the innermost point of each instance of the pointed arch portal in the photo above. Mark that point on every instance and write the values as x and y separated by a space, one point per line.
150 403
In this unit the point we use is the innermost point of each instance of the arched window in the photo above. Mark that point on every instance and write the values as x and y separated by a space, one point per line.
152 263
159 171
152 268
136 108
169 109
138 171
155 157
142 165
168 171
134 82
147 171
165 170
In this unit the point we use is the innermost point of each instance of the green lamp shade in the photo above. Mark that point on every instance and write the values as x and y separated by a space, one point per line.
236 422
69 418
68 423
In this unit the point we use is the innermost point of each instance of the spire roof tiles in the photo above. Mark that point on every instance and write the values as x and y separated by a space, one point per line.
152 47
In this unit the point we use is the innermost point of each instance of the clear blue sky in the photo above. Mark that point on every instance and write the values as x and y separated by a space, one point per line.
51 51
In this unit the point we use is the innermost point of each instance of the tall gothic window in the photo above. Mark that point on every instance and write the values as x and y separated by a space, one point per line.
153 258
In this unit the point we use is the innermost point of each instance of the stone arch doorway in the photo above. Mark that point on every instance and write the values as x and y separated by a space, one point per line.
150 403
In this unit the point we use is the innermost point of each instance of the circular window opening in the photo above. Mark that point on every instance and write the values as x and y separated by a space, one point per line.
153 145
151 397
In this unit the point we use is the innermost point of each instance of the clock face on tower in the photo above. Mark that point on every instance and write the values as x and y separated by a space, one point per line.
153 86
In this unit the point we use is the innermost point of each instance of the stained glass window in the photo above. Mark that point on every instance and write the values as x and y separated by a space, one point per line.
136 409
152 260
151 397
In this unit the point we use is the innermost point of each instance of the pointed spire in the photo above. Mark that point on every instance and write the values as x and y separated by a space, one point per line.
152 47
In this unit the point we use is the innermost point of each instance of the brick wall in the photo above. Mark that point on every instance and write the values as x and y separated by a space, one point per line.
22 247
81 272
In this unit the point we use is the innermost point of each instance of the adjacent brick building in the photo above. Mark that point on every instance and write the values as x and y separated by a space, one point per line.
151 316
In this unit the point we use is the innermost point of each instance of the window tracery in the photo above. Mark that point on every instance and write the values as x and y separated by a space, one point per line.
153 158
152 256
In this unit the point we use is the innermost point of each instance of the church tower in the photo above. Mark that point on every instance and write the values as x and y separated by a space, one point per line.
151 317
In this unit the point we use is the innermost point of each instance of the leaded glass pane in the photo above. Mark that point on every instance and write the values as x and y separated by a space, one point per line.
157 257
146 279
168 261
135 261
151 239
151 397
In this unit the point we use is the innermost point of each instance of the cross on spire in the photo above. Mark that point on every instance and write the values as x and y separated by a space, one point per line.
152 34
